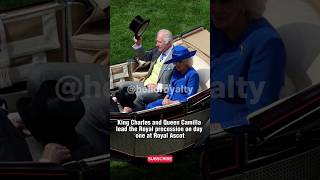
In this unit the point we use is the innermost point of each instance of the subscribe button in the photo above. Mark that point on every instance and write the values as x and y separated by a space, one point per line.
160 159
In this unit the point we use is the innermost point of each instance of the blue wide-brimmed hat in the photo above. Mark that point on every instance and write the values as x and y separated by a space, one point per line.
180 53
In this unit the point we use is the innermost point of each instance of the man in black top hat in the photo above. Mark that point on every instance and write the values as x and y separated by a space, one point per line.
154 85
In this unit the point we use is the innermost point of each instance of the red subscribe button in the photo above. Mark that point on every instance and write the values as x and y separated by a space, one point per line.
160 159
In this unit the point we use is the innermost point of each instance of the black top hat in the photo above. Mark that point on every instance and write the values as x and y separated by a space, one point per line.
126 97
50 118
138 25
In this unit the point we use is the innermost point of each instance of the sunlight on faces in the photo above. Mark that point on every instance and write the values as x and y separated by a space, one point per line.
182 66
161 44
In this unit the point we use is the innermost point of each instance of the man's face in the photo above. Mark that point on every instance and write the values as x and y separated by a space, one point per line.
160 43
225 13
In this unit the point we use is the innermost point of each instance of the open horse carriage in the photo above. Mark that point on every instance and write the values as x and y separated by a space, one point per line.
197 106
282 140
65 33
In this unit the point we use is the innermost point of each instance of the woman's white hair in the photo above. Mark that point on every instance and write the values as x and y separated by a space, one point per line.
254 9
167 35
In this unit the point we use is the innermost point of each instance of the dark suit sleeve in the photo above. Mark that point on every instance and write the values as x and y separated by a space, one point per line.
13 146
143 55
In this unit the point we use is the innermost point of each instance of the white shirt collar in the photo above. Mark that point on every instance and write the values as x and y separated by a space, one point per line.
165 53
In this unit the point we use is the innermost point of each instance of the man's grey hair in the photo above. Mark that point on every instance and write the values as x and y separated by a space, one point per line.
167 35
254 9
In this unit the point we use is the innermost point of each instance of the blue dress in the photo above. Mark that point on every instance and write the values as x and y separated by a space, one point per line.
181 87
246 74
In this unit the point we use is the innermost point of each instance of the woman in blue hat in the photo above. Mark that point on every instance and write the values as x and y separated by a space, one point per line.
184 81
248 60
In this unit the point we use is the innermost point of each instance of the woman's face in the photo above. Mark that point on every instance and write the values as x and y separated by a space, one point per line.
225 13
181 66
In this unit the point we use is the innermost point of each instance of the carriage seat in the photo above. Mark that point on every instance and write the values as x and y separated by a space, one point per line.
299 28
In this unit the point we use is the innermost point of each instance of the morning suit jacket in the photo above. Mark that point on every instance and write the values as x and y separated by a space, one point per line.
152 56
